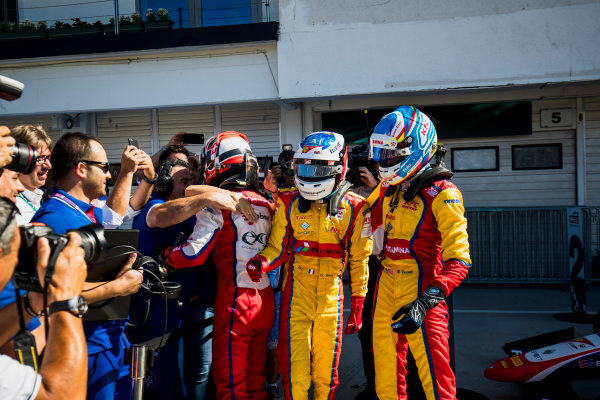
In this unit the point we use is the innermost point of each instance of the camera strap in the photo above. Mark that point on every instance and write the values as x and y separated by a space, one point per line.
24 341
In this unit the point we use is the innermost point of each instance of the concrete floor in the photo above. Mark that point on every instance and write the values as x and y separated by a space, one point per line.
485 318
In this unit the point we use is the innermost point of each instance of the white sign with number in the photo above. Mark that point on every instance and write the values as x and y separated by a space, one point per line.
558 117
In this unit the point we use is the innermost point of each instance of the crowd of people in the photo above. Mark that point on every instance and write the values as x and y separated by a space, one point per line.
258 267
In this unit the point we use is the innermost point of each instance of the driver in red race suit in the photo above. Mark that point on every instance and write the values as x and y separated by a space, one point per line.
318 230
420 232
244 309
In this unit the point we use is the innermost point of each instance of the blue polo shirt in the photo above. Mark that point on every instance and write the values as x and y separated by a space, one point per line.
62 214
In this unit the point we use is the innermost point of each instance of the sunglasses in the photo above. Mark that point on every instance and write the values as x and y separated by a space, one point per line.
104 166
13 211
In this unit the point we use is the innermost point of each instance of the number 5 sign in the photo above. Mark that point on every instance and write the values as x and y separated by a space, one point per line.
558 117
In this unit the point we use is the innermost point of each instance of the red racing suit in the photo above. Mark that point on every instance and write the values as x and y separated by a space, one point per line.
314 249
244 310
424 242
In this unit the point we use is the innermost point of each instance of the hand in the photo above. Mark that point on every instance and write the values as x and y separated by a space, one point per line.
256 266
367 177
6 144
270 181
70 269
176 140
146 165
130 159
354 323
128 279
414 312
276 171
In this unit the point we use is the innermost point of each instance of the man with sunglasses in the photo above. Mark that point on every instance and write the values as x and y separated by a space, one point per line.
66 344
80 169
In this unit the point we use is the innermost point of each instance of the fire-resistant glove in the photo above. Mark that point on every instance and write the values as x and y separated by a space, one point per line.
355 319
411 316
256 266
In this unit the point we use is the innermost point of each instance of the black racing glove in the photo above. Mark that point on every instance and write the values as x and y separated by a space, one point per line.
411 316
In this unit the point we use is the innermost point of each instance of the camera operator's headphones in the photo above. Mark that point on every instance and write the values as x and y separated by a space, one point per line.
164 180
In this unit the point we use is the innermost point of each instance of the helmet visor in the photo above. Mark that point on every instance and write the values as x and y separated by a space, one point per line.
315 169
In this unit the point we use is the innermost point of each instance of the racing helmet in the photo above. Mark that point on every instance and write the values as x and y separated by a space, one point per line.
319 164
228 160
402 143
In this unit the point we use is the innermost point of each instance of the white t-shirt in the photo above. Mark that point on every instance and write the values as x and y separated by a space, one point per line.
28 203
18 381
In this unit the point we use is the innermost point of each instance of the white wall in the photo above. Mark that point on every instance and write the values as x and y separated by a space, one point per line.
145 80
338 47
592 124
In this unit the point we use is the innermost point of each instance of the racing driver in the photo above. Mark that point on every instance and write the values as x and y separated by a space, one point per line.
317 230
421 232
244 309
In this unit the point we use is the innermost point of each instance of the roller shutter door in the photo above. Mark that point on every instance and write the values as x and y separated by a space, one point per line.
259 122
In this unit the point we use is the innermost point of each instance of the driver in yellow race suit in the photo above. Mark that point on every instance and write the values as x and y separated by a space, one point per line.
420 232
317 231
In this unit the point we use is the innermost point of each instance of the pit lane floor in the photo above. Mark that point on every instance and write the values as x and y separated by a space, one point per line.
485 318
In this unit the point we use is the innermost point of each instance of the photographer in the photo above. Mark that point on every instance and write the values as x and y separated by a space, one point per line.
65 350
80 170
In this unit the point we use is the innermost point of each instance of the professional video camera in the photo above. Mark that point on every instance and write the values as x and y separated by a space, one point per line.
25 277
359 157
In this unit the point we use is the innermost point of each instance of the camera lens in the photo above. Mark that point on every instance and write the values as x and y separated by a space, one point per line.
93 242
24 158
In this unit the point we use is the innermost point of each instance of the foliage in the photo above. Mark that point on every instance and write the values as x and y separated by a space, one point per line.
124 19
136 18
42 26
78 22
26 25
7 27
150 16
163 14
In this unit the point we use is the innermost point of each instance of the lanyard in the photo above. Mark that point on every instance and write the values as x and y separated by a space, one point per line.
34 208
89 215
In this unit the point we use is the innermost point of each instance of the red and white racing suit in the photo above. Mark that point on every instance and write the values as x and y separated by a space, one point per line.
424 243
314 248
244 310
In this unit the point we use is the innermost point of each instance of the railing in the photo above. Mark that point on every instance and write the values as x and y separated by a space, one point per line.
528 245
68 17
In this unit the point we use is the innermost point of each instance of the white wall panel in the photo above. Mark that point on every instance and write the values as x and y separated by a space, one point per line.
44 120
114 128
338 48
592 123
259 122
186 119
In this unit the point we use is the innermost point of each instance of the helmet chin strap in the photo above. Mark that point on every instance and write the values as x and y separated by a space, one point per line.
333 200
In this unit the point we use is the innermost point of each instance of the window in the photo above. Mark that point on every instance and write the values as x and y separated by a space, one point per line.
470 159
537 156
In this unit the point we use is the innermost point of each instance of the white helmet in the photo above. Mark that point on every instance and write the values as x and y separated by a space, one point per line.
319 164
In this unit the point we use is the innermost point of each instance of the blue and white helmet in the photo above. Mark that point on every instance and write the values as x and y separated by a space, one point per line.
402 143
319 164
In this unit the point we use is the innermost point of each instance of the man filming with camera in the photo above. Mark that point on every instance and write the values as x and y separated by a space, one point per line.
65 349
80 169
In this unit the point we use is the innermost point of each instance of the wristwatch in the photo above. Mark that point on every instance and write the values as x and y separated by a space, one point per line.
150 180
76 305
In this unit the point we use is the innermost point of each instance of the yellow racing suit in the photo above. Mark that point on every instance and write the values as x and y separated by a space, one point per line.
314 248
421 242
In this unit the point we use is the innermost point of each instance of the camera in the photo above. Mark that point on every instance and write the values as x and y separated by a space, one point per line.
284 160
25 277
24 158
359 157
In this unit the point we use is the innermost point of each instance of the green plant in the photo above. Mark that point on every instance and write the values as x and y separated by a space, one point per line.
111 20
136 18
150 16
163 14
41 26
79 22
60 25
124 19
7 27
26 25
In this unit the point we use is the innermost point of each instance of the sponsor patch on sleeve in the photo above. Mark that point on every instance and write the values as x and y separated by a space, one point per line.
366 230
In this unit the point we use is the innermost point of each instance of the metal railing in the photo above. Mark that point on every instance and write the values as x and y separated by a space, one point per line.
528 244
